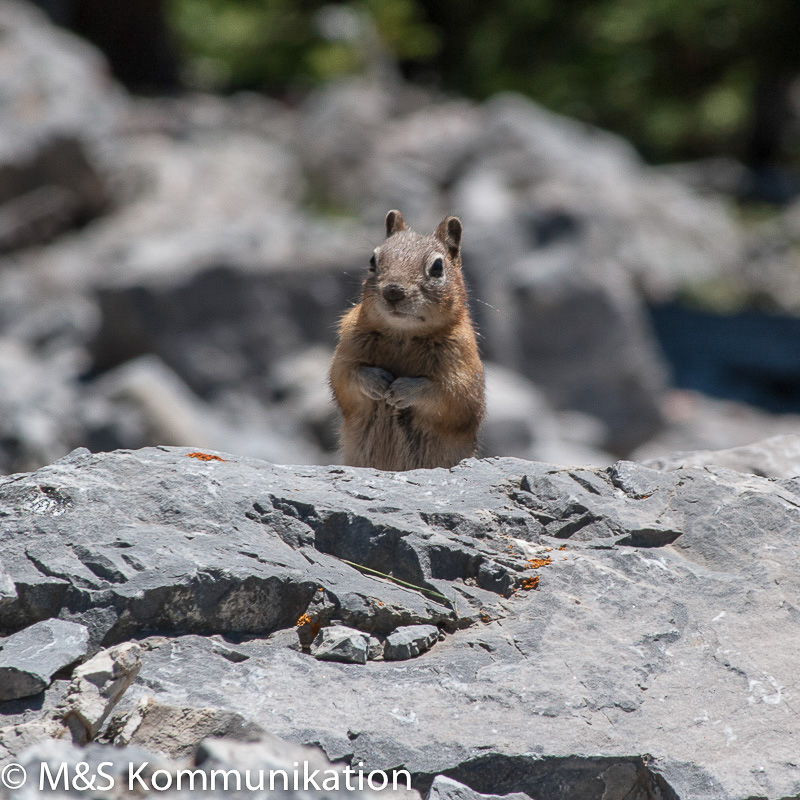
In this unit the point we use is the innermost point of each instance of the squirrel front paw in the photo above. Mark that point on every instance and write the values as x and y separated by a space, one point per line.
406 392
374 381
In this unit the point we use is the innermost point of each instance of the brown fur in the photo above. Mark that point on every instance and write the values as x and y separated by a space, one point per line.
406 374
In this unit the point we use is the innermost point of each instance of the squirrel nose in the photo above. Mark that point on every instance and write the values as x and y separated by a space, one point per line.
392 292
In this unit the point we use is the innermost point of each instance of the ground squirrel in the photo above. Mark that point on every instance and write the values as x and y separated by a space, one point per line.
406 373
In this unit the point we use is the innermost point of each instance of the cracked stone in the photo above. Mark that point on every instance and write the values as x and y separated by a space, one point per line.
409 641
339 643
30 658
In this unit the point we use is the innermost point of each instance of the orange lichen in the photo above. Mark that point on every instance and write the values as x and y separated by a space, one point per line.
563 547
530 583
313 627
548 549
204 457
535 563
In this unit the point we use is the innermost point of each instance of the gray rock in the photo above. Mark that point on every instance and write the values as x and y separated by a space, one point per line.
409 641
281 553
339 643
655 612
375 649
38 407
177 732
581 182
584 339
143 402
776 457
520 422
220 768
75 712
695 422
57 101
444 788
221 321
97 686
60 763
30 658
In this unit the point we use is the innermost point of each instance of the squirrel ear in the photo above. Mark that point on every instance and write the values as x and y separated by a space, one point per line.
394 222
449 234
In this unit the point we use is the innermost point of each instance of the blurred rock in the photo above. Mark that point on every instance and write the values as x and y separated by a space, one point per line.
417 156
57 100
583 338
695 422
222 325
143 402
521 423
38 407
300 390
777 457
147 402
339 127
585 179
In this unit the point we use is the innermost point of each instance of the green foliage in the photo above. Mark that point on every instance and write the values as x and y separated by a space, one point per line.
678 77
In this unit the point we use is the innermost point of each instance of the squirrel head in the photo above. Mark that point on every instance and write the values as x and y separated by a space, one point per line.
414 284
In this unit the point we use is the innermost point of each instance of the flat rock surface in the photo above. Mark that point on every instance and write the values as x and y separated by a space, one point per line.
655 657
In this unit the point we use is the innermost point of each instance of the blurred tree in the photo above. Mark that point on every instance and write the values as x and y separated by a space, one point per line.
680 78
676 77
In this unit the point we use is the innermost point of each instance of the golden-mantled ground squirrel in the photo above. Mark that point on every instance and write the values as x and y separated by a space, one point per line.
406 374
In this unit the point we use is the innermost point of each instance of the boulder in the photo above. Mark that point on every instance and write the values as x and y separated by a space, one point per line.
582 336
177 732
30 658
38 406
97 686
590 612
695 423
340 643
409 641
520 422
143 402
777 457
58 101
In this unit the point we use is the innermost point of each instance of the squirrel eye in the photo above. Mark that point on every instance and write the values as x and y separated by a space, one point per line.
373 264
437 268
